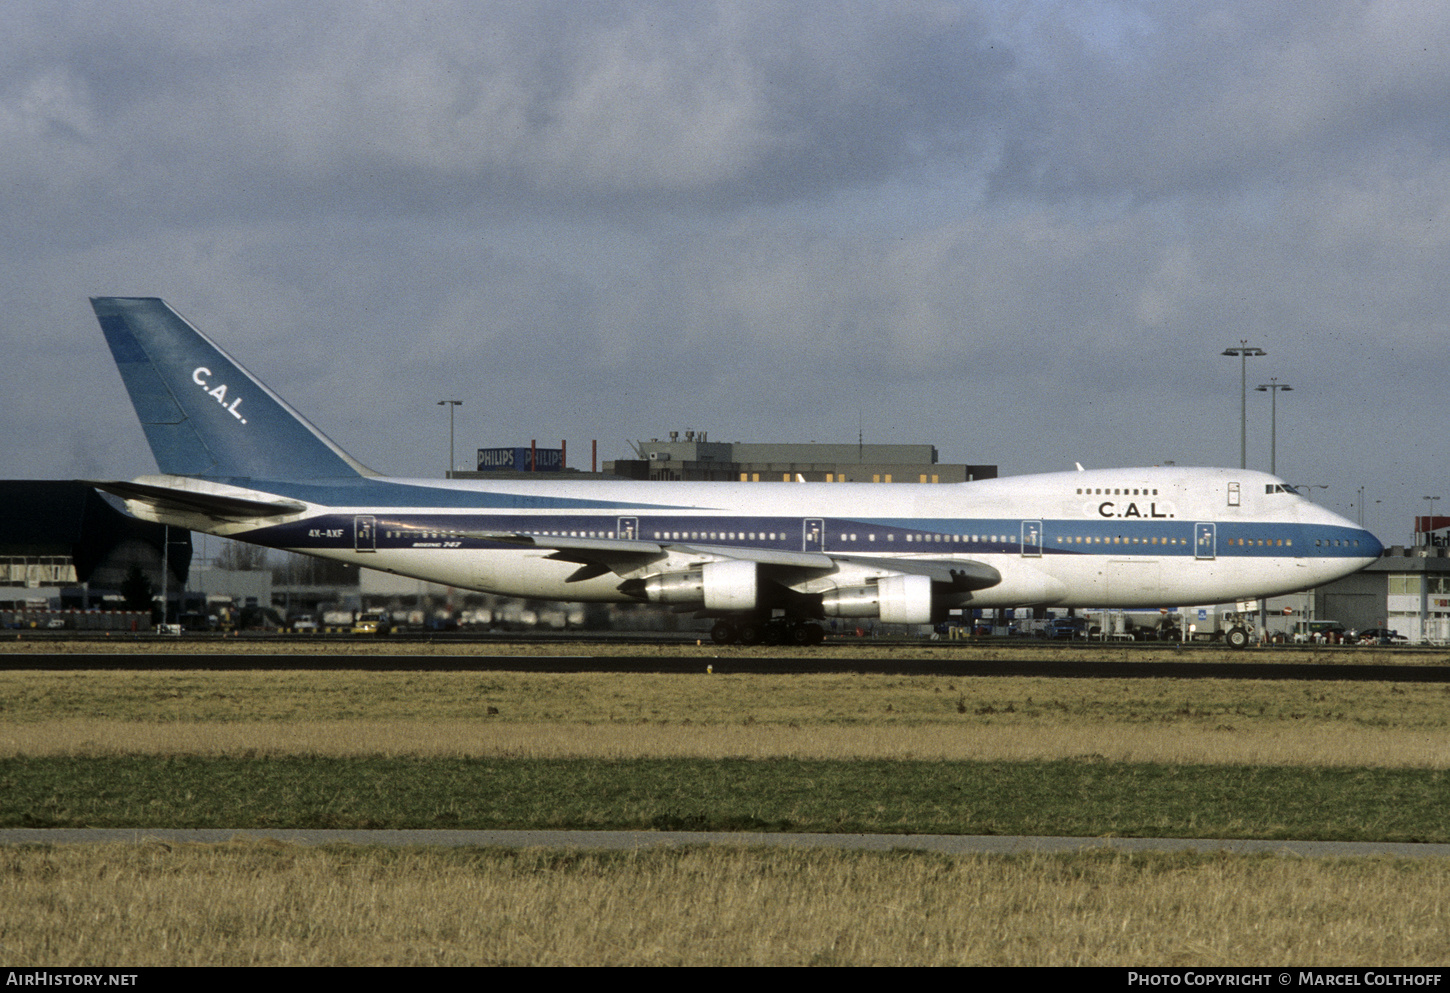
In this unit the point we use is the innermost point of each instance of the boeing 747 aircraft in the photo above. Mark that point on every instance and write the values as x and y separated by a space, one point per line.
763 558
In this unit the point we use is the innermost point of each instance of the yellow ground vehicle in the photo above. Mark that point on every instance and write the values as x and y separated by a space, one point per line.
372 622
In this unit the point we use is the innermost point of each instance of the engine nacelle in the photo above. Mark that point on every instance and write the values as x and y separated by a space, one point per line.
905 599
894 599
669 587
851 601
730 585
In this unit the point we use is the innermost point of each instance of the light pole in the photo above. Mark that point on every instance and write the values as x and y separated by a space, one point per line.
1272 387
1425 576
450 404
165 576
1244 351
1364 504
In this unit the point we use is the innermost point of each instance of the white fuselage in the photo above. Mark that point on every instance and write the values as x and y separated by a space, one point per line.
1151 537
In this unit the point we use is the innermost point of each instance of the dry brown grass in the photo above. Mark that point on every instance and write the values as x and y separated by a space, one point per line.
271 904
292 905
1356 747
586 715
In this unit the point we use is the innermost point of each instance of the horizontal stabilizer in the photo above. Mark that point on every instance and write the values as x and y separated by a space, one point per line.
214 506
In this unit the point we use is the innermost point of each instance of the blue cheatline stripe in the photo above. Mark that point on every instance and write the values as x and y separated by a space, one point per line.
400 529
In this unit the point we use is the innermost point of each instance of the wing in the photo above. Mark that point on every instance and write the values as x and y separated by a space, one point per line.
957 575
625 558
596 556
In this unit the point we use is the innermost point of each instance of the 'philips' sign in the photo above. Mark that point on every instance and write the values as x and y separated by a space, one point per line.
520 459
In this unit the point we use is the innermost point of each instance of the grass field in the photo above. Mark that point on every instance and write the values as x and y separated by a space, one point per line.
814 716
1063 797
810 752
270 904
816 752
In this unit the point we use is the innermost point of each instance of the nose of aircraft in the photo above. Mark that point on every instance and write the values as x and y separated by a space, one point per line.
1367 545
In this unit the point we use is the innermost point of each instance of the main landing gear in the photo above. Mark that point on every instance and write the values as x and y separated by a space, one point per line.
775 631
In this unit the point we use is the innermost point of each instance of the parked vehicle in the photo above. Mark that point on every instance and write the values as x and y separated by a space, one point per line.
372 622
1165 630
1382 636
1067 627
1319 632
1232 627
196 621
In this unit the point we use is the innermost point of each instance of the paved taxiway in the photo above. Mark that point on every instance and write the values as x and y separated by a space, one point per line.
949 844
1084 666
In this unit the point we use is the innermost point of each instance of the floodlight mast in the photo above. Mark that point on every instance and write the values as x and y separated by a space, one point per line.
1272 387
450 405
1244 351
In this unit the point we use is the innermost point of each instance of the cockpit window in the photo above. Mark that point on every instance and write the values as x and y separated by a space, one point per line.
1280 488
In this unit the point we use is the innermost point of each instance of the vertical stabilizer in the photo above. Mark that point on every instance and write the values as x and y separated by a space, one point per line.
205 415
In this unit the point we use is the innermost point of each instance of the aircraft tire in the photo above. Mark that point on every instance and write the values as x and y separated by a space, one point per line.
724 633
1237 638
749 632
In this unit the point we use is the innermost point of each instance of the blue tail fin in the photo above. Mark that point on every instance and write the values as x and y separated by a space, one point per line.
204 415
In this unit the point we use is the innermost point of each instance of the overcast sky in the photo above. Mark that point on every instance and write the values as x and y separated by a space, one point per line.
1021 231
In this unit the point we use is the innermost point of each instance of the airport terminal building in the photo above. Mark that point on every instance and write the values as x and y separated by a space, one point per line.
1407 589
695 457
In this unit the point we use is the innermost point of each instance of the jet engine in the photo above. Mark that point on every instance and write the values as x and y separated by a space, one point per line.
732 585
894 599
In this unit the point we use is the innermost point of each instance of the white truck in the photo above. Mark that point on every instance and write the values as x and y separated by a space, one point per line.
1233 626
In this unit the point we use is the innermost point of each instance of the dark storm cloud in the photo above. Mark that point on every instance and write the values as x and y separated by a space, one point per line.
205 111
1197 98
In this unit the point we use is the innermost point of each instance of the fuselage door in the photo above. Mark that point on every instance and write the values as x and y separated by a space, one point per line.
628 528
1031 539
813 534
365 533
1233 494
1205 540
